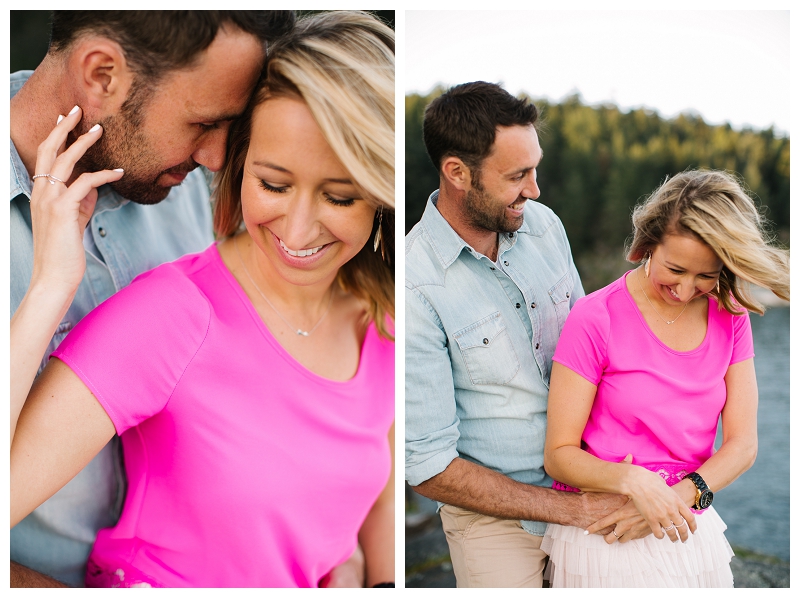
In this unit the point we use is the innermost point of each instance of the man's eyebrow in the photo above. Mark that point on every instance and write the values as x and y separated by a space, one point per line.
528 168
216 118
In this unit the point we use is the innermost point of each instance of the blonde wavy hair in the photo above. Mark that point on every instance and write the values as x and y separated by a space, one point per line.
341 64
713 207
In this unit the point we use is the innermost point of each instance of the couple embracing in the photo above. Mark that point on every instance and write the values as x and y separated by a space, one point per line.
250 382
570 437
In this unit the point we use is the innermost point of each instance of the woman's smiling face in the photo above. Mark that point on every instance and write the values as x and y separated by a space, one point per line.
682 268
299 203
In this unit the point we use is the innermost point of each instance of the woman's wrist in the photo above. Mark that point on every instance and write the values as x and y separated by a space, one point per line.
686 491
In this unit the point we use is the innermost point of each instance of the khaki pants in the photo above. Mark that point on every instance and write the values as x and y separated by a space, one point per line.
491 553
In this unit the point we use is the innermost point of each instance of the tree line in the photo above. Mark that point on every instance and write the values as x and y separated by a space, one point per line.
600 161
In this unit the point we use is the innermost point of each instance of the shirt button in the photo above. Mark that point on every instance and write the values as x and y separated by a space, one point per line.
537 345
102 231
486 341
533 306
518 306
567 295
491 267
510 235
506 263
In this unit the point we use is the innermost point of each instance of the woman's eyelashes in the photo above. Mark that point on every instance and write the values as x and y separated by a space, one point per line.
267 187
337 201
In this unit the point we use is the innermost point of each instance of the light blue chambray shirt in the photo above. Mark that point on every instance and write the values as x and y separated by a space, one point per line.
480 338
124 240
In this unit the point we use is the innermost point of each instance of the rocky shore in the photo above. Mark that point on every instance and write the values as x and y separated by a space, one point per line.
428 559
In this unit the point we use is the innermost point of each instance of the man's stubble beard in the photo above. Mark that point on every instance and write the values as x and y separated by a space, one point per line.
123 144
484 212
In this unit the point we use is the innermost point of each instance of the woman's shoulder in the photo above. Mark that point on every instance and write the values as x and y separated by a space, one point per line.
601 297
168 295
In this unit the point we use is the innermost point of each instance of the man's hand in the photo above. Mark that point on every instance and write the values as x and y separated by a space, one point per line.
349 574
626 522
594 506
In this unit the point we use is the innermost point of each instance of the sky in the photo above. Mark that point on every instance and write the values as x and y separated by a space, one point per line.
727 66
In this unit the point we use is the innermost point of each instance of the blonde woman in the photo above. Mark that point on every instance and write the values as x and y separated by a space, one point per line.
252 384
643 371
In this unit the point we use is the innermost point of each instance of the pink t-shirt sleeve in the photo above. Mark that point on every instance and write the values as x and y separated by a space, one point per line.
132 350
582 346
742 339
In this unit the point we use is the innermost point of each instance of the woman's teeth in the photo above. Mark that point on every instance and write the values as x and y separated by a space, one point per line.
301 252
671 292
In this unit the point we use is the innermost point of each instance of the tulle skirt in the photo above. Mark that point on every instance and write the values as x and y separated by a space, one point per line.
586 561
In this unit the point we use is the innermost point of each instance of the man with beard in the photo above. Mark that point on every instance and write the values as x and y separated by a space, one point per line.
164 87
489 283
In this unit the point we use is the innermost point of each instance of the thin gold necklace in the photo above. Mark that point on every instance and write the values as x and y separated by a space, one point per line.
298 331
654 307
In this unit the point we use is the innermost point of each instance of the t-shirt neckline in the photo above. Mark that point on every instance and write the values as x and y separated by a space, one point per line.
270 338
649 330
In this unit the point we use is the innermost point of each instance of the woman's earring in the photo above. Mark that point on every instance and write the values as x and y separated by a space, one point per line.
379 235
647 267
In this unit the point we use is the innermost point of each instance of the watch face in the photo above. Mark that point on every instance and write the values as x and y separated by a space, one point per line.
705 499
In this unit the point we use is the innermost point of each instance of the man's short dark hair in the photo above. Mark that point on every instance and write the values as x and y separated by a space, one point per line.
156 42
463 121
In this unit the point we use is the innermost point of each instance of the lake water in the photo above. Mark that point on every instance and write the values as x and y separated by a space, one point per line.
756 506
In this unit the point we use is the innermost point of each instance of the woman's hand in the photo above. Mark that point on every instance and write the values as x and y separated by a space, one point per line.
60 213
660 506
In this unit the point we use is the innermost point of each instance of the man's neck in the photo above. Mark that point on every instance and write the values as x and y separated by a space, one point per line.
34 111
481 240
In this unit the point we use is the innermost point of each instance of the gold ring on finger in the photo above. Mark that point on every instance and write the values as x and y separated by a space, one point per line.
681 525
671 527
614 531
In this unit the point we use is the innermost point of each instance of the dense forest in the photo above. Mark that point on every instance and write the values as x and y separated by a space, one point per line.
600 161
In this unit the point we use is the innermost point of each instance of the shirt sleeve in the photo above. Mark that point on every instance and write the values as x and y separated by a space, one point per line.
742 339
430 405
132 350
582 346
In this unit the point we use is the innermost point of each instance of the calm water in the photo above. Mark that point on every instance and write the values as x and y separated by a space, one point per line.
756 506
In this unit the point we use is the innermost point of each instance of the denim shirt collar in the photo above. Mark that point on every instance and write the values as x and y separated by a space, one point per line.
446 242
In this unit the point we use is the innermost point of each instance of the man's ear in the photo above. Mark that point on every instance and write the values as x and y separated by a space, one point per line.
103 74
456 173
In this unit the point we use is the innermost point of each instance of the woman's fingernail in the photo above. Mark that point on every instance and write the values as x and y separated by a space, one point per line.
119 170
60 118
586 532
94 128
74 110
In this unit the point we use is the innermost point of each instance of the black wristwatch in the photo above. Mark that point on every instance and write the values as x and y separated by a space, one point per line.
704 496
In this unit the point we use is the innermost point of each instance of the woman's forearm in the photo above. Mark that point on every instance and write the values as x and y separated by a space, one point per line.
726 465
575 467
32 328
377 541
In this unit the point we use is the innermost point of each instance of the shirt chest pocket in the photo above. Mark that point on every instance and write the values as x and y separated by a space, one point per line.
487 352
560 294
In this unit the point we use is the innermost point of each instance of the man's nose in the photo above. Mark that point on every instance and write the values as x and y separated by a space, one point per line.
531 189
211 151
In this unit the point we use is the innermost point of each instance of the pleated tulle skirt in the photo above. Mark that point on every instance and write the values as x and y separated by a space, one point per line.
586 561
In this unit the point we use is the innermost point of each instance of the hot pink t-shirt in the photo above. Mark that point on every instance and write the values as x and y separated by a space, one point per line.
244 468
656 403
